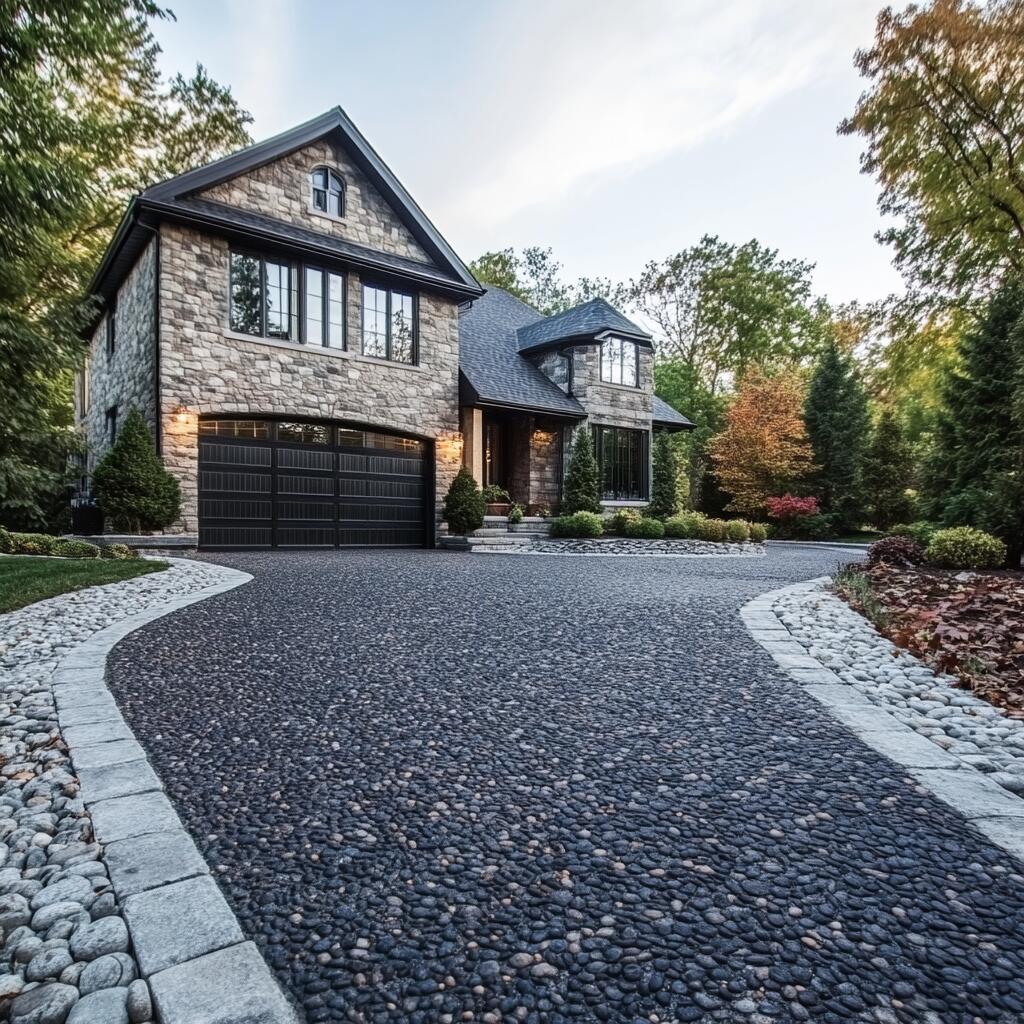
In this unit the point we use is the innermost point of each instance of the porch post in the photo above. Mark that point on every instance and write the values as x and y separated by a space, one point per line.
473 442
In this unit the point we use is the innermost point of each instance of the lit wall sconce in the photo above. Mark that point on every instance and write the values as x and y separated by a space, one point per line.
180 414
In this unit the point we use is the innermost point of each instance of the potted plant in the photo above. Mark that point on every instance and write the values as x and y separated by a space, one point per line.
515 516
497 500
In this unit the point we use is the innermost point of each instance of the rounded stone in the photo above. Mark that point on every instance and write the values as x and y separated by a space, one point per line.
140 1004
48 1004
113 970
108 1006
49 915
107 935
14 912
71 889
46 964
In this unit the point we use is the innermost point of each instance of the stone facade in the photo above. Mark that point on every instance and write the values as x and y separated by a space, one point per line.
125 378
281 190
205 368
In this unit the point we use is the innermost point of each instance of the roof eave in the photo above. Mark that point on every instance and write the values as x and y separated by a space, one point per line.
586 339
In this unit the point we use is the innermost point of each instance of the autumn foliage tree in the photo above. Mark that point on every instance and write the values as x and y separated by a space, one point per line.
764 450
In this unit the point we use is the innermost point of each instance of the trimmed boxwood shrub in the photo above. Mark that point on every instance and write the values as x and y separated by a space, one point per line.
67 548
895 551
646 529
6 541
920 531
579 524
33 543
464 504
758 533
619 522
737 530
684 526
714 530
119 551
963 547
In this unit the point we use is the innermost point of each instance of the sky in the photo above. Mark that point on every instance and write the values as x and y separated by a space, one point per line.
614 131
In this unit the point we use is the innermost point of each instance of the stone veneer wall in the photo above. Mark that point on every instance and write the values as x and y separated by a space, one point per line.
208 369
281 189
126 378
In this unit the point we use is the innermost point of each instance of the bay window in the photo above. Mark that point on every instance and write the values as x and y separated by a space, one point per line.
622 463
619 362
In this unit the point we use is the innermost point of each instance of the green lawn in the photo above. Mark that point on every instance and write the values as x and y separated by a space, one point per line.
28 578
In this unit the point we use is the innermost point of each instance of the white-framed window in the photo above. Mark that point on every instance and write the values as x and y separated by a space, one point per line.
620 362
327 192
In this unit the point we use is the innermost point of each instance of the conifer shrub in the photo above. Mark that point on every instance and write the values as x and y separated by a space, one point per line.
663 478
136 493
464 504
581 477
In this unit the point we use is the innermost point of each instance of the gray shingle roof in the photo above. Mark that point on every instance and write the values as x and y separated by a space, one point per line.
587 320
665 415
490 361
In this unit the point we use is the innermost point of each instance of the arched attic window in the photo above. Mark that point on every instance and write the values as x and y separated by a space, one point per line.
328 192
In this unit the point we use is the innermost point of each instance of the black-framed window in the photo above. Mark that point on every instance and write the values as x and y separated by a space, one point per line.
110 420
389 324
267 302
111 337
620 360
327 192
622 463
567 356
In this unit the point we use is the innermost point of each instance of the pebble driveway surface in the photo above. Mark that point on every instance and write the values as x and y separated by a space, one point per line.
444 788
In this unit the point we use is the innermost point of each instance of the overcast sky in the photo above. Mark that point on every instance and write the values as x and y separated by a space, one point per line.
614 132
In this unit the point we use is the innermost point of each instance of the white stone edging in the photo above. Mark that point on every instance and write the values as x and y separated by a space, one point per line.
187 941
989 808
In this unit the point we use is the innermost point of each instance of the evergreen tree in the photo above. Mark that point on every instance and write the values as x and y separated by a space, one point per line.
581 478
977 473
888 470
136 493
836 415
464 504
663 477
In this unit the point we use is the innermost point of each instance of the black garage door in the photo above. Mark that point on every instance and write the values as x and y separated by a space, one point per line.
265 483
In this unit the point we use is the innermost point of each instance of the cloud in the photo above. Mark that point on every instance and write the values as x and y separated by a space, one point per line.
581 92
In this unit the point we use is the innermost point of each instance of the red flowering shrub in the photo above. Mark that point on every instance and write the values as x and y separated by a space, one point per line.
789 506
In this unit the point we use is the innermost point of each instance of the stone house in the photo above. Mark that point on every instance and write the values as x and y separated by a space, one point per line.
316 362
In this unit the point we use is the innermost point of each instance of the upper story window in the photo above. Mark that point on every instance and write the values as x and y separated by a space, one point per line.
328 192
389 324
110 424
111 330
266 300
620 362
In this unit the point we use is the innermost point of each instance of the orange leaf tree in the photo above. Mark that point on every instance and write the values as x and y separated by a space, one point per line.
763 450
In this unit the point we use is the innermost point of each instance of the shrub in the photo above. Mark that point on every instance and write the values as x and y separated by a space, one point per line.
515 515
789 506
963 547
895 551
737 530
713 530
798 518
619 522
684 526
464 504
579 524
581 484
6 541
495 495
663 478
119 551
136 493
758 533
812 527
33 543
67 548
920 531
646 529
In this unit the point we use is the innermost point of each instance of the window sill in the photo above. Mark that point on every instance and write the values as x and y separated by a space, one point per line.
322 350
640 503
634 388
314 212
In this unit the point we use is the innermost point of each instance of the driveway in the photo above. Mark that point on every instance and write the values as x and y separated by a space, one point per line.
442 788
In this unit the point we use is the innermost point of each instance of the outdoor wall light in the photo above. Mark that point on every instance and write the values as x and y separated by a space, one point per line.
180 414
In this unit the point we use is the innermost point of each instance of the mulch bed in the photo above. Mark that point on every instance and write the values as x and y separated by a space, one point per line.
970 625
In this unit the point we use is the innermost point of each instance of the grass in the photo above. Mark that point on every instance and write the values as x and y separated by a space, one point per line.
25 579
856 588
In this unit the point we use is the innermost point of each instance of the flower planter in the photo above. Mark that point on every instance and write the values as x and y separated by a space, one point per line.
498 508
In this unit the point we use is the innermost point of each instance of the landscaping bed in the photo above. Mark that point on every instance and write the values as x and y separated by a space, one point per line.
25 579
634 546
968 624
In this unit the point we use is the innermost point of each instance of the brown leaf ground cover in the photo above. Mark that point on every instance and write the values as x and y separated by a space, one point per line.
970 625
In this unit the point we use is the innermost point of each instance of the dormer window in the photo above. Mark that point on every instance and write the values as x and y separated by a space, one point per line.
328 192
619 362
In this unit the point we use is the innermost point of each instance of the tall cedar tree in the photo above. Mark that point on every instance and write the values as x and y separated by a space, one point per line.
85 122
888 473
663 477
836 416
763 450
580 493
977 474
136 493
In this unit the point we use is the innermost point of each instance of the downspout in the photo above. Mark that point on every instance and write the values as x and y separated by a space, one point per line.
158 417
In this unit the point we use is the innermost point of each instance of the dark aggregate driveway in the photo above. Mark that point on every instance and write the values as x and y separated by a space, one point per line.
441 787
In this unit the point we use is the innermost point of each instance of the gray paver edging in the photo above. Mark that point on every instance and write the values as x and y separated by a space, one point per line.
986 806
188 942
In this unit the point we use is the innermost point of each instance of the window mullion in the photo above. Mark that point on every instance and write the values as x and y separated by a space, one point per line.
387 323
264 295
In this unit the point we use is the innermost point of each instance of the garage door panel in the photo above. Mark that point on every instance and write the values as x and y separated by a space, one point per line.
235 454
306 459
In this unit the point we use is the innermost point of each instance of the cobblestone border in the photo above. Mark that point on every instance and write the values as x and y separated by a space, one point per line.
989 808
187 940
627 548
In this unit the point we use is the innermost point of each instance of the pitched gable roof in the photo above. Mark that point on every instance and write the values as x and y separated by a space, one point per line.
589 320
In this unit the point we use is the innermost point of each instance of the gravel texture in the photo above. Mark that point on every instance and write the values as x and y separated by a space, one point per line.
633 546
442 789
65 945
974 731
